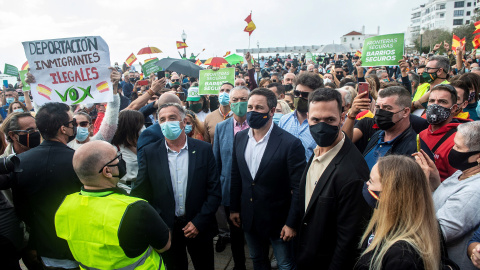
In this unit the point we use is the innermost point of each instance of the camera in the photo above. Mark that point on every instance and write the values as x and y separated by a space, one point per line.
10 164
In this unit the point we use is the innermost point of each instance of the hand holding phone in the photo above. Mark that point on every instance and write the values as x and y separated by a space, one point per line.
160 74
363 88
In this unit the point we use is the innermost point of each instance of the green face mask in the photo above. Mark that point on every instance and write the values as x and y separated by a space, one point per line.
196 107
301 104
429 77
239 108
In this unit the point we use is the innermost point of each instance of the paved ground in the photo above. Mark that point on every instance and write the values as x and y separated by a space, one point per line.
223 260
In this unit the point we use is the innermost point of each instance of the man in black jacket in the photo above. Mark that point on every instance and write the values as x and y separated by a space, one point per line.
46 179
392 115
334 213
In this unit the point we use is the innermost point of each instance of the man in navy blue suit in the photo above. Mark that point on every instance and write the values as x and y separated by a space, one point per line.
267 165
178 176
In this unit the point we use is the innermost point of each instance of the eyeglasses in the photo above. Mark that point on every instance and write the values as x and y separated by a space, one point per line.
114 165
176 80
427 69
84 124
28 131
73 122
298 93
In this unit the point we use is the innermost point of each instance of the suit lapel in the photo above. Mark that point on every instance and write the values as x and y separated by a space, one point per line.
325 177
272 146
242 146
163 158
192 155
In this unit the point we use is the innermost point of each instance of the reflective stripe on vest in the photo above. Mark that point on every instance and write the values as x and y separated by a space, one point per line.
90 224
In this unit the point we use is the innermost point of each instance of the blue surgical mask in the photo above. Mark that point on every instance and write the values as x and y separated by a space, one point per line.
21 98
10 100
18 110
224 98
82 134
188 129
276 117
171 129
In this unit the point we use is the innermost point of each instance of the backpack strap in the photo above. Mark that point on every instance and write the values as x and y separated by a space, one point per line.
443 139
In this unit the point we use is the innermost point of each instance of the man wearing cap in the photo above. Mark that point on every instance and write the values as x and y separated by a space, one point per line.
222 113
196 103
122 231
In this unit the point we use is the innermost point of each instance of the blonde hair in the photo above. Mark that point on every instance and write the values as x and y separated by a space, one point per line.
285 108
372 89
265 82
405 213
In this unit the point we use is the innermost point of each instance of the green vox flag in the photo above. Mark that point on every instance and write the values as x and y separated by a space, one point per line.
23 76
211 80
385 50
10 70
150 67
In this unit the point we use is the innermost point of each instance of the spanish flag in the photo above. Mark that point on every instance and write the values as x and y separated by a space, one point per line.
456 41
476 42
132 58
198 62
358 53
44 91
181 45
227 54
477 27
251 26
102 87
25 66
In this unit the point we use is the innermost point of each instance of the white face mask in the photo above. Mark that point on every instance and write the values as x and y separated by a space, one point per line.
327 80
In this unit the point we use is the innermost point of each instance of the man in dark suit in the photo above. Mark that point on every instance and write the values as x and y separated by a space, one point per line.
178 176
154 133
46 179
267 164
335 213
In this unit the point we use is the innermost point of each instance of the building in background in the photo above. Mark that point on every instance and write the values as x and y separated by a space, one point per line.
446 14
354 40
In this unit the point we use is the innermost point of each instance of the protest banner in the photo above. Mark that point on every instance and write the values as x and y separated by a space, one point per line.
150 67
70 70
10 70
211 80
23 76
385 50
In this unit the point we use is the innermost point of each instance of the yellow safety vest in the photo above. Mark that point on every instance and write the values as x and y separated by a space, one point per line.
423 88
90 225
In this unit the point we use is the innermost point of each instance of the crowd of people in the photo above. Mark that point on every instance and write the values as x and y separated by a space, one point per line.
331 164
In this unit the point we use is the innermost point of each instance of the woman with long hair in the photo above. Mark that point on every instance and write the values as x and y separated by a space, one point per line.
17 106
130 125
403 232
194 127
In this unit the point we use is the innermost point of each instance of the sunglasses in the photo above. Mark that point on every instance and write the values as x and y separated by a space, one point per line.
300 94
114 165
84 124
73 122
28 131
176 80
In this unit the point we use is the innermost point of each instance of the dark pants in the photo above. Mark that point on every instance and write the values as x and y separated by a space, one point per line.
237 241
200 249
9 255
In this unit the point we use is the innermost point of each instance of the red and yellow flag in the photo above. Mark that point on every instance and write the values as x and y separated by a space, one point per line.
477 27
132 58
25 66
358 53
198 62
456 41
227 54
476 42
181 45
251 26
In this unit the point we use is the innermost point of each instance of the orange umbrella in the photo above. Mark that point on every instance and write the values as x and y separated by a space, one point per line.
149 50
215 61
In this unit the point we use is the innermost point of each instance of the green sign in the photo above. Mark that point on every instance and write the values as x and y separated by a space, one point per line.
150 67
10 70
23 76
385 50
309 57
211 80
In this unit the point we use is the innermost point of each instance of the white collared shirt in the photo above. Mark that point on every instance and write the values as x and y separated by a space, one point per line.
255 150
178 165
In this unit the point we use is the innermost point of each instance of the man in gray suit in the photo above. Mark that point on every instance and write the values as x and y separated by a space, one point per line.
225 132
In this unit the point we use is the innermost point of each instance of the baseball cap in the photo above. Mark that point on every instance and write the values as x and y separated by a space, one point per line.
193 94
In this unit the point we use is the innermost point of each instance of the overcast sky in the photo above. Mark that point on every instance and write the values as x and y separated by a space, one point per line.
216 25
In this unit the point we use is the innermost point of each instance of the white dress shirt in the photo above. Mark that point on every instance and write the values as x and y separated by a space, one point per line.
178 165
255 150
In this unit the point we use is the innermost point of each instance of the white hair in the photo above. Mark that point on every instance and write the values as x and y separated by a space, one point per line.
348 95
471 135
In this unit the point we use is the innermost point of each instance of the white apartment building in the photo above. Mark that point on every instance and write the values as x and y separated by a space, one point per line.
354 40
446 14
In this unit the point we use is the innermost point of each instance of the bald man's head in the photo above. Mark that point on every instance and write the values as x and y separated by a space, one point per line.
90 158
168 98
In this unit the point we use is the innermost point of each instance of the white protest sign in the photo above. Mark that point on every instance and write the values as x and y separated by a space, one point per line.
70 70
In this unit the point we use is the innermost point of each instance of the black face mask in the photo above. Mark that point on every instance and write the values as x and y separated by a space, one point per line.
459 160
324 134
339 76
30 140
257 120
214 104
383 119
370 196
71 138
122 169
288 87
